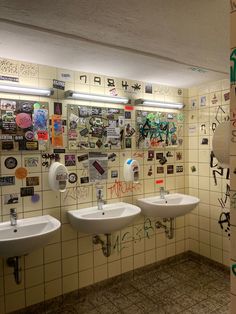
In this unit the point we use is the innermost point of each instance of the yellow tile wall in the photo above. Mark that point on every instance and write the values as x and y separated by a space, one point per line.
70 261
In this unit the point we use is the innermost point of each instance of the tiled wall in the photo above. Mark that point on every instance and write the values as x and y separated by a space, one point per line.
71 261
208 106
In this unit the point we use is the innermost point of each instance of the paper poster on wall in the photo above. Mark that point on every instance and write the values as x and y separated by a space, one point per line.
98 166
57 131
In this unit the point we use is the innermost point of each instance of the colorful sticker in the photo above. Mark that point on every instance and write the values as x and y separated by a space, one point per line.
70 160
23 120
21 173
31 161
57 130
40 119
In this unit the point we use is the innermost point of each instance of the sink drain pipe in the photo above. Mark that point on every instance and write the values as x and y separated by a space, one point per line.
169 231
106 245
15 263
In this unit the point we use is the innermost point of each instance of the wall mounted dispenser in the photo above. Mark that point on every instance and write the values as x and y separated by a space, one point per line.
58 177
131 170
221 144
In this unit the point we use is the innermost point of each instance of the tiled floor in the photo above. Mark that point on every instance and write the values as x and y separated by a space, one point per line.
187 285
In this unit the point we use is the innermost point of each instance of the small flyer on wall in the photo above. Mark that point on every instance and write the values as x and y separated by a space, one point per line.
98 163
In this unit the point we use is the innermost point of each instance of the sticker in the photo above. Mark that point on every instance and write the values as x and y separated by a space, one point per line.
179 168
148 88
35 198
29 135
204 141
21 173
98 163
121 121
160 170
6 137
70 160
42 135
10 163
9 78
159 156
72 177
18 138
29 191
203 101
11 199
84 180
150 155
113 132
128 115
82 157
114 174
178 155
170 169
23 120
58 84
59 151
169 154
6 104
31 161
28 145
8 122
58 108
40 119
32 181
72 134
98 167
163 160
193 169
149 171
159 181
8 180
8 145
25 106
128 143
112 157
37 105
57 130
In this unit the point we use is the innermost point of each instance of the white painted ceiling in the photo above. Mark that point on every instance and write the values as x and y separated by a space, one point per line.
157 41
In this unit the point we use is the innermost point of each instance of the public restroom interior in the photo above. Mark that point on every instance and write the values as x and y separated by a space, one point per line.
176 53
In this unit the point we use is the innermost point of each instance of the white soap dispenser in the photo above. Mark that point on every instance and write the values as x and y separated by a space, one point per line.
58 177
131 170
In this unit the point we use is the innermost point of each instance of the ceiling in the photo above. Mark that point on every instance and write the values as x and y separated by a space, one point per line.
177 42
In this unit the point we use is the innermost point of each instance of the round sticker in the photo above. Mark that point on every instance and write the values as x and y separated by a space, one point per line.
35 198
23 120
10 163
73 177
36 105
21 173
29 135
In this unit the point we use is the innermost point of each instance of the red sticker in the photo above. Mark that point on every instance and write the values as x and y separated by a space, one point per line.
159 181
42 135
23 120
129 108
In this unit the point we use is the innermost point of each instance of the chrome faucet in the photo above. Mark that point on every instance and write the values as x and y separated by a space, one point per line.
163 192
13 217
100 201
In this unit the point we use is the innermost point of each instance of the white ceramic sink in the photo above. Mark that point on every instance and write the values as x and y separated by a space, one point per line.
171 206
28 235
113 217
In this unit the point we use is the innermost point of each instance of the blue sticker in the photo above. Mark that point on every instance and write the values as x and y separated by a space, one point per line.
35 198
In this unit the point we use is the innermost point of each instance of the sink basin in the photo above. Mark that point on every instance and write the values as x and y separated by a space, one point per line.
29 234
173 205
113 217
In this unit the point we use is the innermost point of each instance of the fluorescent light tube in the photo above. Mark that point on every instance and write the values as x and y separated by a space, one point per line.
96 97
159 104
16 89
